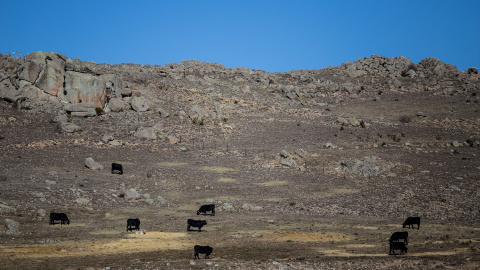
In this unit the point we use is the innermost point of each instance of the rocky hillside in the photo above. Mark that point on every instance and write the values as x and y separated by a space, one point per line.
52 82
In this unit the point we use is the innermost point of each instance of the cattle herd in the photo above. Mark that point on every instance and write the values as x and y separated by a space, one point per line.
398 240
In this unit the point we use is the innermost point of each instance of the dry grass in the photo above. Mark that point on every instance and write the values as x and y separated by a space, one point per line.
218 169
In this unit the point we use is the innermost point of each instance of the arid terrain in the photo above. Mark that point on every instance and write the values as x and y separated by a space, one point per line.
307 169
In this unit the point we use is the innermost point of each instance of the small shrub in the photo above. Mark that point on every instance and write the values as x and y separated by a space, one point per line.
224 119
405 119
404 73
99 111
362 87
380 92
470 142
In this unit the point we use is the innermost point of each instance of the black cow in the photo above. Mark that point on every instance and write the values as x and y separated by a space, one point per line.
133 224
196 223
117 167
396 236
202 249
205 208
397 245
411 221
59 216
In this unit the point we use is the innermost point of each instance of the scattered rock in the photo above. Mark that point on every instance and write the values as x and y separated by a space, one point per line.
42 212
115 143
12 226
281 266
160 201
83 201
91 164
69 127
146 133
107 138
163 113
172 140
6 209
455 188
139 104
284 153
228 207
132 194
288 162
251 207
62 118
354 122
81 109
301 153
117 105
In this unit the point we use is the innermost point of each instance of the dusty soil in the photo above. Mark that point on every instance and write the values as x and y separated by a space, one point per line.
269 216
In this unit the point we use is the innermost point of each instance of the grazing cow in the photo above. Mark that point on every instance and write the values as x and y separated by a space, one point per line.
397 245
205 208
59 216
202 249
396 236
411 221
117 167
133 224
196 223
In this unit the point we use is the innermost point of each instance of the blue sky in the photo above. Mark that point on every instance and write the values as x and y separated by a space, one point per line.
268 35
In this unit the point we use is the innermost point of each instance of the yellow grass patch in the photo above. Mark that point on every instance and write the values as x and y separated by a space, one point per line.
306 237
344 253
334 192
357 246
152 241
218 169
227 180
273 199
171 164
272 183
106 232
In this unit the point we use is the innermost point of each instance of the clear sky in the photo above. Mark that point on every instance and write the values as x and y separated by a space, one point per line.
268 35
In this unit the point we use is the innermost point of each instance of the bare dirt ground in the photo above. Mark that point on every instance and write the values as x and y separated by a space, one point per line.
318 215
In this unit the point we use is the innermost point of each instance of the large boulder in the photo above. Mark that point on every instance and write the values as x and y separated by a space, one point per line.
8 91
139 104
85 88
32 93
117 104
46 71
